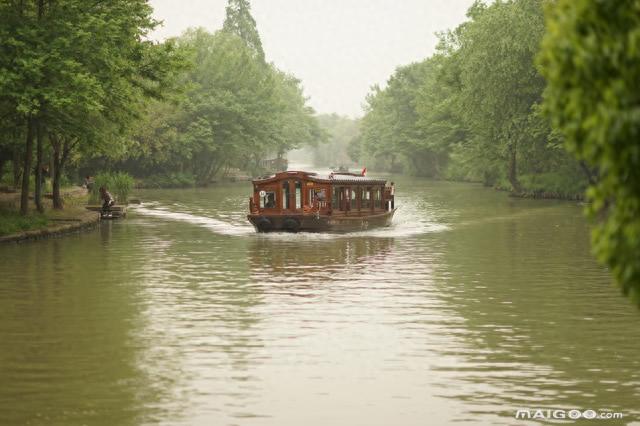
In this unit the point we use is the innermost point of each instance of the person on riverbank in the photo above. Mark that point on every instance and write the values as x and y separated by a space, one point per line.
107 200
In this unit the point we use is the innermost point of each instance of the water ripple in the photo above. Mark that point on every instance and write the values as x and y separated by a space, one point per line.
470 306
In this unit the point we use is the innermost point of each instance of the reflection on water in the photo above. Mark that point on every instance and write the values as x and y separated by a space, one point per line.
470 306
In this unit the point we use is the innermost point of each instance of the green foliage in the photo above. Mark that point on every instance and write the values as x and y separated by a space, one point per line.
170 180
235 111
390 128
240 22
339 131
500 85
553 185
119 184
122 184
12 222
472 110
104 97
78 73
5 178
591 59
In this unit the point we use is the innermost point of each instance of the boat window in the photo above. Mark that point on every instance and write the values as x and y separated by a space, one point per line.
285 195
345 198
366 198
378 199
298 194
343 194
268 201
321 197
354 200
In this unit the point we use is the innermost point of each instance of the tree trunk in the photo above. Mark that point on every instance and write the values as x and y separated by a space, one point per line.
28 155
211 169
57 173
216 169
17 170
39 176
513 169
592 175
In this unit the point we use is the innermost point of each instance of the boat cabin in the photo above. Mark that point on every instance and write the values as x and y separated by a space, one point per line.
333 194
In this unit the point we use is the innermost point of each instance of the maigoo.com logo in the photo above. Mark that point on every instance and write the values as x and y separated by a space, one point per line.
528 413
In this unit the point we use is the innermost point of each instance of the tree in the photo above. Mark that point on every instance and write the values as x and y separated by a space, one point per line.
446 135
390 128
235 110
11 142
409 116
500 83
472 110
75 73
229 112
591 60
340 131
240 22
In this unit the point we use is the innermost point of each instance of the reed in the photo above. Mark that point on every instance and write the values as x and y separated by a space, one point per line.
119 184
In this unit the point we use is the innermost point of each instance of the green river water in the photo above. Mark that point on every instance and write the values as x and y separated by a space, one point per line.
471 306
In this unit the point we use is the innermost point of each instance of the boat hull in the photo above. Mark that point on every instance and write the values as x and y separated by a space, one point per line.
318 223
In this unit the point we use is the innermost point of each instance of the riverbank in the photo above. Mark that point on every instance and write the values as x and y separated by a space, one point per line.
544 195
535 189
182 180
51 223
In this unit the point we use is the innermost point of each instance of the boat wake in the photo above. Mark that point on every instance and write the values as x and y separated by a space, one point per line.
218 226
407 222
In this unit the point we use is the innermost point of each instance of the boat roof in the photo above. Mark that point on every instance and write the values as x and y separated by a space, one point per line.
343 177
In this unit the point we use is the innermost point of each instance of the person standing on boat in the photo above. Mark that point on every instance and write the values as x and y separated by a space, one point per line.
107 200
393 193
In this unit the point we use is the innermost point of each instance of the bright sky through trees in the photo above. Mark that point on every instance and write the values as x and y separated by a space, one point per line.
337 48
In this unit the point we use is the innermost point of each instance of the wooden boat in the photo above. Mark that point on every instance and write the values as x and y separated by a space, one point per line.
294 201
115 212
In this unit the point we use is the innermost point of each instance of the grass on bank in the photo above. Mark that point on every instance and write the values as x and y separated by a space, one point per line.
11 222
546 185
119 184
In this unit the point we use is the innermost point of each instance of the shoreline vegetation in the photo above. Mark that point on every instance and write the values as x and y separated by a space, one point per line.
15 227
532 189
473 110
85 91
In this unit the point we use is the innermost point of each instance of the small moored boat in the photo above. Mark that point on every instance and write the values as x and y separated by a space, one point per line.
294 201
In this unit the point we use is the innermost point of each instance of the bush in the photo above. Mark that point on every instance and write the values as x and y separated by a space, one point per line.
171 180
119 184
6 178
559 184
547 185
122 184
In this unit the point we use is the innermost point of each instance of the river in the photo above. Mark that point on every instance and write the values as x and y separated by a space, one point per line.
471 306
